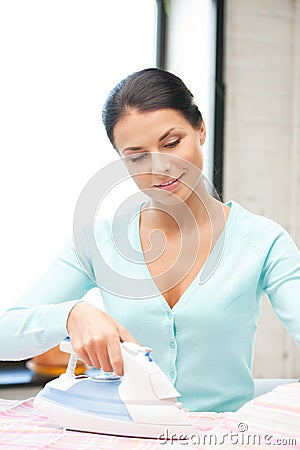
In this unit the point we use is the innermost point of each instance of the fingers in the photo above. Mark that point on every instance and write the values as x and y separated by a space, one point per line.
82 354
115 356
94 357
96 337
94 353
104 354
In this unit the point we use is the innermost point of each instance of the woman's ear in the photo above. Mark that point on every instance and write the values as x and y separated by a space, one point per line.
202 132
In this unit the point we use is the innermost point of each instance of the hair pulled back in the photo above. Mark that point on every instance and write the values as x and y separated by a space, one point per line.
149 90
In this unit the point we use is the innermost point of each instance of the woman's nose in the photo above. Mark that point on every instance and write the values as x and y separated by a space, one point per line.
160 163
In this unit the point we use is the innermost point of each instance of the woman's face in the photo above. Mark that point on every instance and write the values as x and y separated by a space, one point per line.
162 152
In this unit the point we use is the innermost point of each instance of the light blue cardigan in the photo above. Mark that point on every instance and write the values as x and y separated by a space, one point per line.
205 342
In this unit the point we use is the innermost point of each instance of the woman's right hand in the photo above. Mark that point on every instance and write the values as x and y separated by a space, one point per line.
96 337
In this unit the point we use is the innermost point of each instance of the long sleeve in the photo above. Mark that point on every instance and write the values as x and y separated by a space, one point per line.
37 320
281 281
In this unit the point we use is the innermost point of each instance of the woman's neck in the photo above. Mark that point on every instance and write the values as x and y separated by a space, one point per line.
200 210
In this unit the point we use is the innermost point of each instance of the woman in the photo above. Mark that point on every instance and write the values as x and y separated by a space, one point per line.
204 265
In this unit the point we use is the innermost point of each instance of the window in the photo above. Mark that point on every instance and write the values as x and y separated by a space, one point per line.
59 59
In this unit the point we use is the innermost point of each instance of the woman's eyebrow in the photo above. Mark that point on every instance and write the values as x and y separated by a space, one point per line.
132 148
159 139
166 134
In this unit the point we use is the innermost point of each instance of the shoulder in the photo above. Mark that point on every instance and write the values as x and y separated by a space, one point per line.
257 230
108 229
248 219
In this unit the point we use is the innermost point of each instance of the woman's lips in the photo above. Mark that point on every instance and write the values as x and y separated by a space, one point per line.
170 185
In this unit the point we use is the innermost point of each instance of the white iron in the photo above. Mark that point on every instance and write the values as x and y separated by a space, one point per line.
142 403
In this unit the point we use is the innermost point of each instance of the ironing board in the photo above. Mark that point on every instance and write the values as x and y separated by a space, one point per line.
269 421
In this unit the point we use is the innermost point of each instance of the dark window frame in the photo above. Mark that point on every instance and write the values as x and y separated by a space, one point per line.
219 99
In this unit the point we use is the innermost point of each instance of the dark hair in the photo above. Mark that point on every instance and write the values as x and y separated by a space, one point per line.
149 90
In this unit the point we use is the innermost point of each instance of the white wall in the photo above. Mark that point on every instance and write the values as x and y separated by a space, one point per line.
262 139
59 59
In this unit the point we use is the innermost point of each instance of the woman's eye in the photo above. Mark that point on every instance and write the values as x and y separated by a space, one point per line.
172 144
138 157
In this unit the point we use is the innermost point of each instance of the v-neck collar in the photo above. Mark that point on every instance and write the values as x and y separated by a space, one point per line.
206 271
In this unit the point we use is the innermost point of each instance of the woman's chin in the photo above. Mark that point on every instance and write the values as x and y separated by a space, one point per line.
168 198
